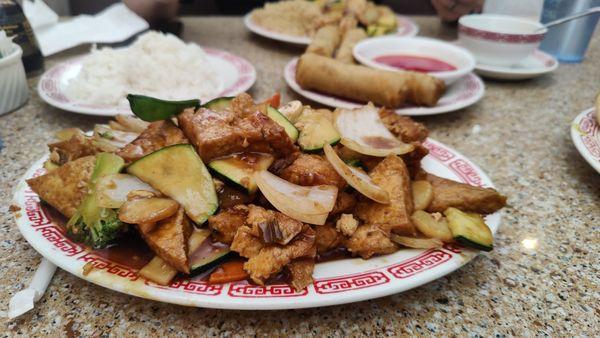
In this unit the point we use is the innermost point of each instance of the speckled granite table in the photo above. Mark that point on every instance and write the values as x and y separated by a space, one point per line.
549 286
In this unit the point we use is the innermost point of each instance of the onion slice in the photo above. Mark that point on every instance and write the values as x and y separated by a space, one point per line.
109 140
361 130
417 243
305 204
357 178
112 190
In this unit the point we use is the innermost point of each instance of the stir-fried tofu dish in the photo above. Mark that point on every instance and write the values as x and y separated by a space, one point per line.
236 190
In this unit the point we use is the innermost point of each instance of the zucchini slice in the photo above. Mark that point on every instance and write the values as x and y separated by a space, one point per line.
204 254
316 130
218 104
240 168
152 109
469 229
178 172
281 120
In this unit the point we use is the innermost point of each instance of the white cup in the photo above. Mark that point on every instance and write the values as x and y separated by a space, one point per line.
13 83
499 40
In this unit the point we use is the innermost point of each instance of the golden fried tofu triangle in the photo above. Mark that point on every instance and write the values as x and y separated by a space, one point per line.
65 187
169 240
448 193
392 175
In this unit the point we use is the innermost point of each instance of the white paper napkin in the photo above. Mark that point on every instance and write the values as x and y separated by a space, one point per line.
114 24
23 300
39 14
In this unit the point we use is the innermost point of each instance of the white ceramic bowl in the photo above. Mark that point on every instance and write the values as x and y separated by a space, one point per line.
499 40
368 50
13 83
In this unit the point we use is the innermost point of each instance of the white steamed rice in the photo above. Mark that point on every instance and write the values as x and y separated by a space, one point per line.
157 65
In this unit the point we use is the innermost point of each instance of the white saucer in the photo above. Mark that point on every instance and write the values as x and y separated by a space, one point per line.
462 93
537 64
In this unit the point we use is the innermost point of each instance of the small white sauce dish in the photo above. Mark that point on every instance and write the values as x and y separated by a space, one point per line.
13 83
499 40
461 59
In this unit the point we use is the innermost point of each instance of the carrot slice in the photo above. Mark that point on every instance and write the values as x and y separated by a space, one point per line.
274 101
228 272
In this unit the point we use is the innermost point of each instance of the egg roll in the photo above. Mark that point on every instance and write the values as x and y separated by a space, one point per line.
351 38
347 23
390 89
325 41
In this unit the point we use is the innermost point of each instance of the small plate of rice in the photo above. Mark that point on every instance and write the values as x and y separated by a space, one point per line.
156 64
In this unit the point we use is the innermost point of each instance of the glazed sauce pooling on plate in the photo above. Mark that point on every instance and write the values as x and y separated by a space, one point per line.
414 63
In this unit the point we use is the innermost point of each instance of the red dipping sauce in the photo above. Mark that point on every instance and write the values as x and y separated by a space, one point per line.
415 63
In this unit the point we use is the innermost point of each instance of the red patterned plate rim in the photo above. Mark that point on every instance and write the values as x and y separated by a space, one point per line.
460 94
336 282
406 27
585 133
50 91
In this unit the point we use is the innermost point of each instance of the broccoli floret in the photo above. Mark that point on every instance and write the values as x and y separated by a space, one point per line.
94 225
99 234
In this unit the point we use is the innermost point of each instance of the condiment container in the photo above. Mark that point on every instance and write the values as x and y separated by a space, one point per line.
13 83
14 22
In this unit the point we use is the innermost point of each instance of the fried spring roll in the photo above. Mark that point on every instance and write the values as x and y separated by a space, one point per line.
325 41
356 7
390 89
351 38
347 23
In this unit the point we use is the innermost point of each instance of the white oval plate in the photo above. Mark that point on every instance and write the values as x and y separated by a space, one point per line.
406 27
537 64
585 133
335 282
237 74
462 93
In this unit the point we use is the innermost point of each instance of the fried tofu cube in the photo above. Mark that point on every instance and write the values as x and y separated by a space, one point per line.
271 259
310 169
243 127
403 127
226 223
301 270
77 146
344 203
392 175
65 187
369 240
158 135
448 193
245 243
327 237
169 240
272 227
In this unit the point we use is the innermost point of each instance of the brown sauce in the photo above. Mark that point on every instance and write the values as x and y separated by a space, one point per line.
130 251
229 197
333 255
